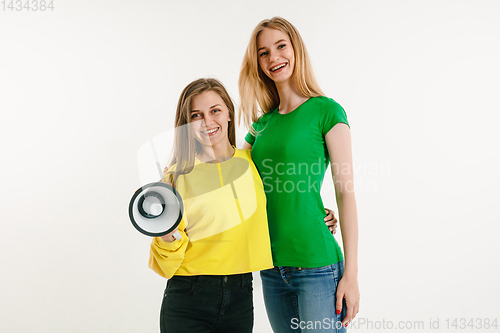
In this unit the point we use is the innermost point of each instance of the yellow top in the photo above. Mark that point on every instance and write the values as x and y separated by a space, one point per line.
224 228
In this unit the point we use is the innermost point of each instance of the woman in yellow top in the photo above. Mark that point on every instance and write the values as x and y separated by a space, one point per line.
224 233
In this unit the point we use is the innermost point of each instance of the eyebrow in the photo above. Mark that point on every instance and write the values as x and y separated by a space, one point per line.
281 40
213 106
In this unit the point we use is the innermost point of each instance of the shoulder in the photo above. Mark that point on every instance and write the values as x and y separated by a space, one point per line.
167 172
171 168
328 107
243 153
328 113
327 104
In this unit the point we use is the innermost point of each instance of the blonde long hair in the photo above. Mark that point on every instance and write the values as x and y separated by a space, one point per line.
185 145
259 91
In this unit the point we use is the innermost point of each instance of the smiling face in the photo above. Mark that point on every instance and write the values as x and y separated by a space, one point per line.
276 55
209 118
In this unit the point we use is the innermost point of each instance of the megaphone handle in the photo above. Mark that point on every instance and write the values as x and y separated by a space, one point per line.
177 235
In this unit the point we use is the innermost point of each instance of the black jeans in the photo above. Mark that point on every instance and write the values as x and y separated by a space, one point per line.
208 304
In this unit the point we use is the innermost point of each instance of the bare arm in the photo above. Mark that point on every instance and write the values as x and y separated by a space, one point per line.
246 145
338 141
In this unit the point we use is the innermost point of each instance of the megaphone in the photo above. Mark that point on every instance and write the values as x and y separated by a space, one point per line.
156 209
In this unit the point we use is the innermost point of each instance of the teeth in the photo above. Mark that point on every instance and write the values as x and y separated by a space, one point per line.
211 131
277 67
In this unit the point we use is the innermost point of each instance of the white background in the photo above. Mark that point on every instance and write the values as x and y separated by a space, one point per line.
82 87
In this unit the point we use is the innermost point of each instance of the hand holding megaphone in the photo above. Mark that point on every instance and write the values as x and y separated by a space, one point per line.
172 236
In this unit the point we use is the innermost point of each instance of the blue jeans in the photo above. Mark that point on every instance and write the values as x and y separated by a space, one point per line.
208 304
302 299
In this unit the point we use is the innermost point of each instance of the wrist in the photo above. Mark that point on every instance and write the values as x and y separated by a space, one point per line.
167 238
351 274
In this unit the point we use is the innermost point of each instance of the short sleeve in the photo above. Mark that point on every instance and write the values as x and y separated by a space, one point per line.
259 126
332 114
250 138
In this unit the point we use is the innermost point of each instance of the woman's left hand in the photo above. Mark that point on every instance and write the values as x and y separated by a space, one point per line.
348 288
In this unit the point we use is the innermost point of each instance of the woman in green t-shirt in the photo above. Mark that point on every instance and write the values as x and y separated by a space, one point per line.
293 139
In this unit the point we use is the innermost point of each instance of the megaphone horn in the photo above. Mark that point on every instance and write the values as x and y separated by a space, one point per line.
156 209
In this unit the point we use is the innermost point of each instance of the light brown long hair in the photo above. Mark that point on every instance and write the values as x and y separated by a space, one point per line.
185 145
259 91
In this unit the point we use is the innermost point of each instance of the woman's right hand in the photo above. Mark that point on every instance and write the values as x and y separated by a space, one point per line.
169 238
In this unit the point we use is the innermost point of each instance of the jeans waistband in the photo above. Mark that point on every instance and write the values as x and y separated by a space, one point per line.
217 280
291 269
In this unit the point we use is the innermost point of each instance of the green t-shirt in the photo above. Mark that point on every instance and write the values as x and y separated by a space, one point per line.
290 153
